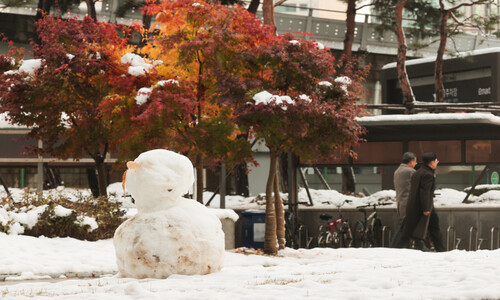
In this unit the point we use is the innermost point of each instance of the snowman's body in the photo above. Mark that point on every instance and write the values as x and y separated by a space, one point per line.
169 234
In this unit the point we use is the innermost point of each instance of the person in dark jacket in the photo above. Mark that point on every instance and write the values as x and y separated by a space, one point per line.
402 180
421 217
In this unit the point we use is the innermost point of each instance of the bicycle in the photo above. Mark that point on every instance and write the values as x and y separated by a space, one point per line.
329 236
368 233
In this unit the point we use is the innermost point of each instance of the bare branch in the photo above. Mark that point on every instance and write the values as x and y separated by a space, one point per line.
464 4
363 6
279 3
456 19
465 23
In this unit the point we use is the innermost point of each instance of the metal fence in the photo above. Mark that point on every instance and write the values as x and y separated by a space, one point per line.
464 228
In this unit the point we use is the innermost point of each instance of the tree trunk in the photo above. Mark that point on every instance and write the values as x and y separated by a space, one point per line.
93 182
348 181
101 176
42 10
254 5
91 9
280 214
438 67
146 24
146 21
349 32
408 97
268 13
270 238
283 170
199 178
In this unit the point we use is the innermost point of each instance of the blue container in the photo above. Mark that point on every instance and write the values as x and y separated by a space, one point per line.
253 228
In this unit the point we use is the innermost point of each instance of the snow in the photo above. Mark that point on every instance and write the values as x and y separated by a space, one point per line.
143 95
88 221
30 66
169 81
441 118
267 98
445 57
344 83
320 273
319 45
160 180
4 123
344 80
29 218
65 120
137 70
225 214
325 83
332 199
294 42
169 234
305 98
138 66
62 211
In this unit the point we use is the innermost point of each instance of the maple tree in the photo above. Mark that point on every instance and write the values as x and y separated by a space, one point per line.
202 48
77 65
305 109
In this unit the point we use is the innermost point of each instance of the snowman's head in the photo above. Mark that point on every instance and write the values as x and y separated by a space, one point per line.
158 178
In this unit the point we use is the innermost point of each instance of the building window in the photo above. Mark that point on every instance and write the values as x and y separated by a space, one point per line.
290 7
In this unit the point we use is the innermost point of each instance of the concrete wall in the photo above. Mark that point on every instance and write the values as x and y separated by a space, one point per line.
228 226
257 178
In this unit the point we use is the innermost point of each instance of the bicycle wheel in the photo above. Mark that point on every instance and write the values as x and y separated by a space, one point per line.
358 235
332 240
321 239
346 238
303 240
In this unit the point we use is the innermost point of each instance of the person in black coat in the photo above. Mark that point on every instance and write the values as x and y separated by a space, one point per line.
421 217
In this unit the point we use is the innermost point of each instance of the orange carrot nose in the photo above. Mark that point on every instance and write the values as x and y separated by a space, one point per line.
123 182
132 165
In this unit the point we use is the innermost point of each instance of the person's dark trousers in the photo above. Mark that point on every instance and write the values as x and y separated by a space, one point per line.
435 233
399 241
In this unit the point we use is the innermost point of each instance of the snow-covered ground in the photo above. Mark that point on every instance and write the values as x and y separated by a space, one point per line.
43 268
377 273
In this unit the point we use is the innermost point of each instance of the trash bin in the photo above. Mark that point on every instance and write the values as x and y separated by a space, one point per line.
253 228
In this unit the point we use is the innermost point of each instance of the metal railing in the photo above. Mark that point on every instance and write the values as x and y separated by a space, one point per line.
388 230
492 236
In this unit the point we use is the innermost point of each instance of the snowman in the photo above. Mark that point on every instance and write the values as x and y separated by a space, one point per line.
169 234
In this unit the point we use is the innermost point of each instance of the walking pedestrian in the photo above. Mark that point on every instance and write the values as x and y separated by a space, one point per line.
402 181
421 217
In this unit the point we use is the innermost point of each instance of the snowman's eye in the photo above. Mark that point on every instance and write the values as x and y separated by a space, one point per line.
170 190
